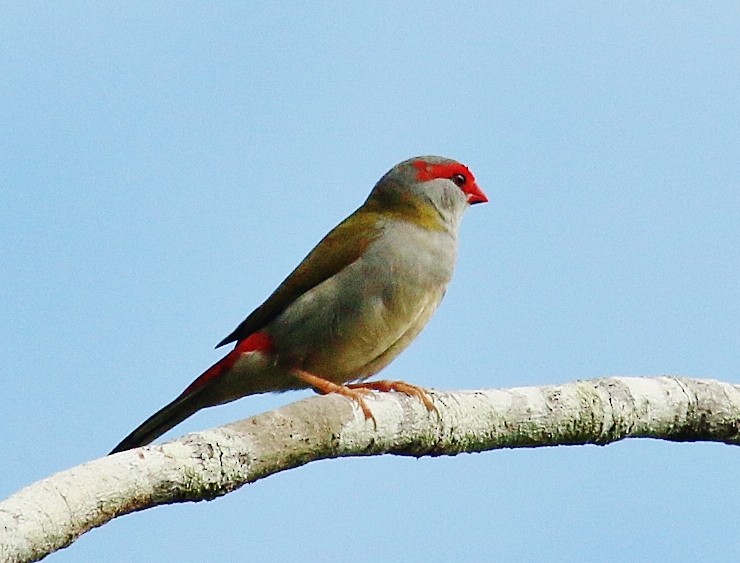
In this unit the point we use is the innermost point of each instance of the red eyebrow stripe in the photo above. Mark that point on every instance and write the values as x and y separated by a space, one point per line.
427 171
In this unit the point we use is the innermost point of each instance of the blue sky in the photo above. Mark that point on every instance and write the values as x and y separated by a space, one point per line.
164 165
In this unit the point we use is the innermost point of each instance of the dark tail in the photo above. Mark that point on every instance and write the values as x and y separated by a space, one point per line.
204 392
160 422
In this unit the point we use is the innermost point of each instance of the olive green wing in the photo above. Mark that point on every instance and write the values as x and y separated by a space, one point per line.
341 247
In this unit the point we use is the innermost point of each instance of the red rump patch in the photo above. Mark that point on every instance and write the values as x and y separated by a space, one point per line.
428 171
257 342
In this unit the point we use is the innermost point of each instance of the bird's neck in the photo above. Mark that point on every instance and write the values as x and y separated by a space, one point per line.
425 214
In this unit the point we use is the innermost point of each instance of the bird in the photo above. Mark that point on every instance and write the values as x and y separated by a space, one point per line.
351 306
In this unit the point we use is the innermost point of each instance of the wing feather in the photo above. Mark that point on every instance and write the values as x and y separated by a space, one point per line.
343 245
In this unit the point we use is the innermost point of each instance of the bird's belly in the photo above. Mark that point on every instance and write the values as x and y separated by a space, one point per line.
354 324
353 340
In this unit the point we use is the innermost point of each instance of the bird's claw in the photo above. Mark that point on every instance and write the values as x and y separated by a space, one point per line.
385 385
324 386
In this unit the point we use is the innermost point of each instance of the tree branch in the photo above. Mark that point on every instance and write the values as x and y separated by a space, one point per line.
52 513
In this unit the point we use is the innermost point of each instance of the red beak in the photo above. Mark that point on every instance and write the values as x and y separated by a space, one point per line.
475 194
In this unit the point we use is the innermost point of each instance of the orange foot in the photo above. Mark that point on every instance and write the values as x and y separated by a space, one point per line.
400 386
324 386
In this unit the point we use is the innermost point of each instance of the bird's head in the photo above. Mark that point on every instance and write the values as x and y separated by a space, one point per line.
428 189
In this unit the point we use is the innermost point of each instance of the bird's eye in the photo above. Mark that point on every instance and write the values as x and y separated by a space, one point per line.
459 180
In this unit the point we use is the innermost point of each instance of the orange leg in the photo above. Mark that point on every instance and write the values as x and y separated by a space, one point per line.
400 386
324 386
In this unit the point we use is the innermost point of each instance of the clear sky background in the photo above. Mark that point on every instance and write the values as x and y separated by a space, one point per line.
164 165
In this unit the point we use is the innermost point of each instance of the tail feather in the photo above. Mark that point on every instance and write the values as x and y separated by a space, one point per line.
214 386
160 422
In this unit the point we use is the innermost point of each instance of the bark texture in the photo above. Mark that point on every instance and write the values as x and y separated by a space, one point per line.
52 513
